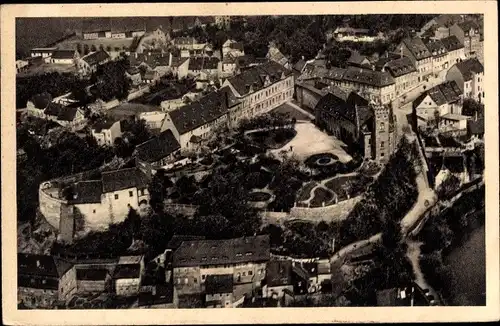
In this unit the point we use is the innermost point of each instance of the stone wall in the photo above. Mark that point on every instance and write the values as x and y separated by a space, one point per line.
337 212
50 207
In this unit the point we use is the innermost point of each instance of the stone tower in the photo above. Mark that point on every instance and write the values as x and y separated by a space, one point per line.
383 130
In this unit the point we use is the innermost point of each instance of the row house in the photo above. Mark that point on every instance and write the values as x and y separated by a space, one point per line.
402 70
219 291
259 89
42 52
470 35
376 86
439 53
198 50
243 258
443 100
469 76
454 48
88 64
415 49
194 122
70 116
207 65
106 131
158 151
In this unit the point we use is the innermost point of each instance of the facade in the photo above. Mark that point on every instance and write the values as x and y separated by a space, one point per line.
469 76
153 119
93 35
70 116
257 90
21 65
92 279
243 258
206 65
440 60
219 291
127 279
377 86
105 132
134 75
66 57
158 151
415 49
469 34
403 71
192 123
445 99
233 48
355 121
180 67
88 64
223 22
42 52
278 279
353 34
43 281
454 48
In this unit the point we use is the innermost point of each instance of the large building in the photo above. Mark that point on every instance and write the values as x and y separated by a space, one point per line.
439 53
355 121
158 151
402 70
470 35
89 63
243 258
454 48
415 49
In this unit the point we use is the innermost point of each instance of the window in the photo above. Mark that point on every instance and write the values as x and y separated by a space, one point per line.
382 144
195 280
93 211
382 154
244 274
250 273
203 277
142 192
186 280
131 193
116 196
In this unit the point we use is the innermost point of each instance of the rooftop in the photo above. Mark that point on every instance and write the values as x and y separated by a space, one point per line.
217 252
103 124
417 48
436 47
201 63
158 147
123 179
447 92
63 54
451 43
91 274
278 273
127 271
468 68
96 58
355 108
177 240
400 67
368 76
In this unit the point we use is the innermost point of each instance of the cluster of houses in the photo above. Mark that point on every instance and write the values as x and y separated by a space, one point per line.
218 273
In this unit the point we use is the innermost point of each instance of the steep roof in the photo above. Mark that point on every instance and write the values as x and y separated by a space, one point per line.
279 273
96 58
353 108
158 147
368 76
435 47
198 113
67 113
103 124
63 54
91 274
417 48
451 43
468 68
299 65
468 25
178 239
123 179
200 63
178 61
219 284
87 192
447 92
217 252
229 97
256 76
400 67
127 271
33 271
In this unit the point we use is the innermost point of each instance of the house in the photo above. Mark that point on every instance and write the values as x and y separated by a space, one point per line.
158 151
42 52
298 67
204 21
454 48
184 43
244 258
223 22
278 279
127 279
180 67
21 65
208 65
469 34
395 297
42 281
415 49
439 53
233 48
107 200
444 98
150 77
402 70
219 291
308 95
161 296
469 76
66 57
93 34
353 34
194 122
88 64
370 126
443 20
358 60
274 54
377 86
153 119
156 60
69 116
134 75
105 132
92 279
453 124
259 89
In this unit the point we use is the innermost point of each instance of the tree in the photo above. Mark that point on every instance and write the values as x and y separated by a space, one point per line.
108 48
133 221
158 189
86 49
79 48
471 107
93 48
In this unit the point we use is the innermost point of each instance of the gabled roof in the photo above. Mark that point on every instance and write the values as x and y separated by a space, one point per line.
201 63
447 92
417 48
356 58
217 252
368 76
40 271
451 43
63 54
127 271
400 67
158 147
219 284
103 124
96 58
178 239
41 101
354 108
256 76
87 192
229 97
198 113
299 65
123 179
279 273
468 68
435 47
468 25
178 61
91 274
67 113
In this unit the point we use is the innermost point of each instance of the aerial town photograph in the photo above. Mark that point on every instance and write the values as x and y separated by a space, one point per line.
250 161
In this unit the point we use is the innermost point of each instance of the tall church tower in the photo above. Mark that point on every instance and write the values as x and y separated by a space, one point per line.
383 133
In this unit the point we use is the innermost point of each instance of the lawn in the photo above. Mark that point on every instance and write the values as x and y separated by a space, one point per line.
259 196
305 192
272 139
352 185
321 196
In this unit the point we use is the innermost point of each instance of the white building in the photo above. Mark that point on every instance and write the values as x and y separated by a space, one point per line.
105 132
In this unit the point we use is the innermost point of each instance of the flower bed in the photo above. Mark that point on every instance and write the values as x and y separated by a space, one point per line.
258 196
323 159
352 185
321 196
305 192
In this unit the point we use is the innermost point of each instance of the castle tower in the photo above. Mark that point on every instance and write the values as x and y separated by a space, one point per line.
383 131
